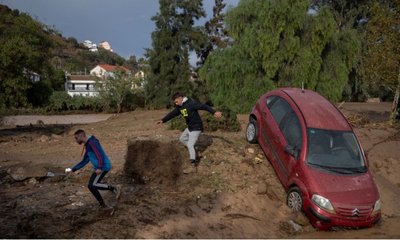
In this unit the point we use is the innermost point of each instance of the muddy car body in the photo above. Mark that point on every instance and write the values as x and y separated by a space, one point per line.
317 157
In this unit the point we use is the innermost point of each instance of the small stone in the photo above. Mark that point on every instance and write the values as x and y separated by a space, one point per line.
55 136
32 181
262 188
296 227
43 138
300 219
258 160
250 150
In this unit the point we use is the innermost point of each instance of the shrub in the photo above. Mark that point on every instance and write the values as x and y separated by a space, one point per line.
228 122
133 100
59 101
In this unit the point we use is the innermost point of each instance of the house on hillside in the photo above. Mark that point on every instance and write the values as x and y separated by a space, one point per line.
91 46
106 71
106 45
32 76
81 85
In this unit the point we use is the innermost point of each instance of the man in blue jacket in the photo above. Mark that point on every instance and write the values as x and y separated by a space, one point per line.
188 108
94 153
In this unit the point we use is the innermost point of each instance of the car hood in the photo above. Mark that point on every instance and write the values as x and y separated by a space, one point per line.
358 189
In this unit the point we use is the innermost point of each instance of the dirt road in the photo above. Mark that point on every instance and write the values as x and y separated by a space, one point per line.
232 195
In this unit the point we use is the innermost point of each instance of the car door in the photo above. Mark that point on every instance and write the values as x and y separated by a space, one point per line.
291 130
277 109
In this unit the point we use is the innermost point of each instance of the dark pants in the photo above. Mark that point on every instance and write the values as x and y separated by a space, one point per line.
95 185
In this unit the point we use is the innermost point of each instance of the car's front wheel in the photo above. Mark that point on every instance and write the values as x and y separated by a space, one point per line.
295 199
251 131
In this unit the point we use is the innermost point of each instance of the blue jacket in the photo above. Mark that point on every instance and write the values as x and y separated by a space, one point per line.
95 154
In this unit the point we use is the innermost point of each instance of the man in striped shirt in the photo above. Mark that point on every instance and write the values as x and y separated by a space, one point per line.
94 153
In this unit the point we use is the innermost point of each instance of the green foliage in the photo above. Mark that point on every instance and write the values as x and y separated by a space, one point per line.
278 43
215 34
228 122
133 100
117 92
172 41
233 81
24 48
57 80
39 93
73 41
381 61
61 101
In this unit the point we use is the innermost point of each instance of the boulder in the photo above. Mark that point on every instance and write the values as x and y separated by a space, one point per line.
21 173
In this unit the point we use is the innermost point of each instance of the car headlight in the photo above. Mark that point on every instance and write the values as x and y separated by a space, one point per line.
323 203
377 206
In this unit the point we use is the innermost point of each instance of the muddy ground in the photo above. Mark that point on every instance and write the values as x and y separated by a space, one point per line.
234 193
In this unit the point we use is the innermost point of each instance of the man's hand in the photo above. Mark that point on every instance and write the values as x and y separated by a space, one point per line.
218 114
98 171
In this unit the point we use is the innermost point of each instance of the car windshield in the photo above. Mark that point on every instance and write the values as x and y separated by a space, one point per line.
336 151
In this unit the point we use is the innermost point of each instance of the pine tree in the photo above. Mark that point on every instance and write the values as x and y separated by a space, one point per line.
172 42
215 32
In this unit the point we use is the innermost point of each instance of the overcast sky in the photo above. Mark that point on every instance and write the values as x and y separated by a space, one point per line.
125 24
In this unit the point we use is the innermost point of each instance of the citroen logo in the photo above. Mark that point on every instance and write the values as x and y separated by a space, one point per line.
355 212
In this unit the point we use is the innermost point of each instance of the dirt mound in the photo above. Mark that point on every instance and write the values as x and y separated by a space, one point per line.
153 161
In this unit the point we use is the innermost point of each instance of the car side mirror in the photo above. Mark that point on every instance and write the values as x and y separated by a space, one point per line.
291 150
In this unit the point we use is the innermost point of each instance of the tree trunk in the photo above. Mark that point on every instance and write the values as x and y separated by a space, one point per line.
395 104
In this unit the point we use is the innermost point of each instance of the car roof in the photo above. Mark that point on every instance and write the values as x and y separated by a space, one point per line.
317 111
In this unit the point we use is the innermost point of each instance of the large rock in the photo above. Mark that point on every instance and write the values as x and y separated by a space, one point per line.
21 173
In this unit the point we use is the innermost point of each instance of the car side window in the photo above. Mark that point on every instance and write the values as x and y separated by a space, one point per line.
270 101
291 129
278 107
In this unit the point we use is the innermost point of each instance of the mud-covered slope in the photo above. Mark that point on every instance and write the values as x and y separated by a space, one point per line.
233 194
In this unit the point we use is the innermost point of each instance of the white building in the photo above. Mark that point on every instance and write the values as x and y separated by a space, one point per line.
106 46
92 46
81 85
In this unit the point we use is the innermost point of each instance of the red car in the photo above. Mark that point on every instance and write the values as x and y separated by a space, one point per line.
317 157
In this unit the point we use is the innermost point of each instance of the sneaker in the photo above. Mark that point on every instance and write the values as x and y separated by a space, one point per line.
117 191
104 206
192 168
194 162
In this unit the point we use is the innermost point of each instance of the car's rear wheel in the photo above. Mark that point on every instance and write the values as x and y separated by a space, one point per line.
251 131
295 199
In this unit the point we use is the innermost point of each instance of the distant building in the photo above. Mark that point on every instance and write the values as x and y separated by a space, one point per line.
139 75
106 46
87 43
92 46
106 71
32 76
80 85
